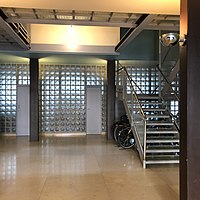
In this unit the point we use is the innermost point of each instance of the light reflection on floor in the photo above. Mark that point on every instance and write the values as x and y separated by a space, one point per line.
80 168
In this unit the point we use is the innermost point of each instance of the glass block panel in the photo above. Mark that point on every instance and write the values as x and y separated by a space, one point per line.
64 96
10 76
145 77
147 80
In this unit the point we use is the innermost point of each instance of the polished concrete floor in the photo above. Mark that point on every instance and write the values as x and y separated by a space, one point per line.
80 168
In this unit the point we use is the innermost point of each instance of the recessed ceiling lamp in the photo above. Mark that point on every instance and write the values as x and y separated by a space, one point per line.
72 38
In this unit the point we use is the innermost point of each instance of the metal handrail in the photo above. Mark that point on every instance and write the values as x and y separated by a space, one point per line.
130 78
141 147
136 97
167 81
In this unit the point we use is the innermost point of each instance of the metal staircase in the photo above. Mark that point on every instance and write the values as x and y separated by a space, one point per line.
156 132
162 136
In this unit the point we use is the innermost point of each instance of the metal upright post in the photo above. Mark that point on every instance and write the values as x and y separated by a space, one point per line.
34 100
111 93
160 64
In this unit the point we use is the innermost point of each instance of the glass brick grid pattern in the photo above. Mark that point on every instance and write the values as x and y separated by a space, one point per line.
173 104
63 97
145 77
147 80
174 108
175 84
11 75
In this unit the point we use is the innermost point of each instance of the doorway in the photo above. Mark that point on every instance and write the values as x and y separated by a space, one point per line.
93 110
23 110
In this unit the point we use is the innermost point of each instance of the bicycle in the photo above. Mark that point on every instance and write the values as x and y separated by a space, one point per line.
123 135
125 138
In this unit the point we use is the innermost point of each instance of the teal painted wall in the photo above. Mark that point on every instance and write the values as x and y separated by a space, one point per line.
143 47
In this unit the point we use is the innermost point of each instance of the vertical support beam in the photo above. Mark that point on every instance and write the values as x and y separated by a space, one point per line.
189 102
183 105
34 100
111 92
160 63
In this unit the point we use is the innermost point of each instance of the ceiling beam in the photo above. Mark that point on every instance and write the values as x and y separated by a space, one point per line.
13 34
162 27
70 22
131 34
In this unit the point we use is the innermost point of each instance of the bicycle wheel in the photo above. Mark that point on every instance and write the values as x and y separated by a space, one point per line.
126 139
117 131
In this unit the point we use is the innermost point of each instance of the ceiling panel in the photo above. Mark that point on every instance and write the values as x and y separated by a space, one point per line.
94 18
18 16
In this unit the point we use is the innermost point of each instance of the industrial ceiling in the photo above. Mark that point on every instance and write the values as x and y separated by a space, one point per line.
13 35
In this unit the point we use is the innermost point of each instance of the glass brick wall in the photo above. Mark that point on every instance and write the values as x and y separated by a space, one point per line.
145 76
147 79
62 96
11 75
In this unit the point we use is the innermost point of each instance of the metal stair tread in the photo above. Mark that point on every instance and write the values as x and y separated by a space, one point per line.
162 137
154 109
162 149
151 103
156 116
144 103
147 97
162 140
162 146
156 123
147 109
162 157
162 161
162 132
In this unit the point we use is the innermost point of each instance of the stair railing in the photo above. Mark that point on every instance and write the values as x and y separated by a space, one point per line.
135 112
168 83
173 92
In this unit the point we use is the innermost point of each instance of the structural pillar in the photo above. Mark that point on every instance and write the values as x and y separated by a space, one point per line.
190 102
34 100
111 92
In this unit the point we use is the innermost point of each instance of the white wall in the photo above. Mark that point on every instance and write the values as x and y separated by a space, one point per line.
82 35
76 39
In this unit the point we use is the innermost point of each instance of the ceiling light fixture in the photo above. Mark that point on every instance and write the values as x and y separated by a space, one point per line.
72 38
171 39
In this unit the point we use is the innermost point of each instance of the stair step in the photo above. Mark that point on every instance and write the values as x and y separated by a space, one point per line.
162 140
162 132
162 157
154 109
162 149
162 161
160 123
148 97
148 103
147 109
157 116
162 137
151 103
